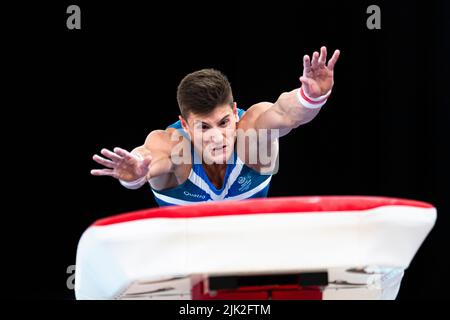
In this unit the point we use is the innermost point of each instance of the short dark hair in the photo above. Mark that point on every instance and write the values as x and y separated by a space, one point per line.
201 91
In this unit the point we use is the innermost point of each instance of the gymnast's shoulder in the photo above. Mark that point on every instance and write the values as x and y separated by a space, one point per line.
163 140
250 116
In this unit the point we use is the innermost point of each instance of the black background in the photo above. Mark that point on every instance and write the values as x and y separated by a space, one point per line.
383 132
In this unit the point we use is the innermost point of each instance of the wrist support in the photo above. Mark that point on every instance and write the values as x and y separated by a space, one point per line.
312 103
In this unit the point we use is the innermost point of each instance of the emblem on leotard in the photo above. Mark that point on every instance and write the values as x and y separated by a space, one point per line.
245 183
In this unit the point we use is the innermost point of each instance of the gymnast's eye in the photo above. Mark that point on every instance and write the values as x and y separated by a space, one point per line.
224 123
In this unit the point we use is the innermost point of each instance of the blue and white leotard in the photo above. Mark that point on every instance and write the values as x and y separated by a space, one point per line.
240 182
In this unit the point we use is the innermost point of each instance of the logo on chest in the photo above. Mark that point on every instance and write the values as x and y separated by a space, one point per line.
244 182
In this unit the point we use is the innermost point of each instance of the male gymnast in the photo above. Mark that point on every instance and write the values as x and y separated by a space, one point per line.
217 151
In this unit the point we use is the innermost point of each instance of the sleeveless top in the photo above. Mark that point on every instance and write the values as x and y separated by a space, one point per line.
240 182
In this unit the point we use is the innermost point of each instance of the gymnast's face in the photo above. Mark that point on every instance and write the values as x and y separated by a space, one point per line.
213 135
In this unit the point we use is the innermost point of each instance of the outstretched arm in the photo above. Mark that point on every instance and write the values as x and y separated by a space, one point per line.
301 105
133 169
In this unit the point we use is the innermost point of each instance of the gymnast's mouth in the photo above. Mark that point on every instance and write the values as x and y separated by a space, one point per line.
216 149
219 151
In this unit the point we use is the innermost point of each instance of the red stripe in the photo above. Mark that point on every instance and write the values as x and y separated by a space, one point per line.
264 206
309 100
303 294
276 292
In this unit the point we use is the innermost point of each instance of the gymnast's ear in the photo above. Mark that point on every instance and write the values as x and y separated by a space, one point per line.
235 111
184 123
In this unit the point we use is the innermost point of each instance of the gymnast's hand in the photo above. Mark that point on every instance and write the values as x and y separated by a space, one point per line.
122 165
317 78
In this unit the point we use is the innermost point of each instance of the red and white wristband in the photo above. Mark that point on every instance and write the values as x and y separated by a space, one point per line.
312 103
